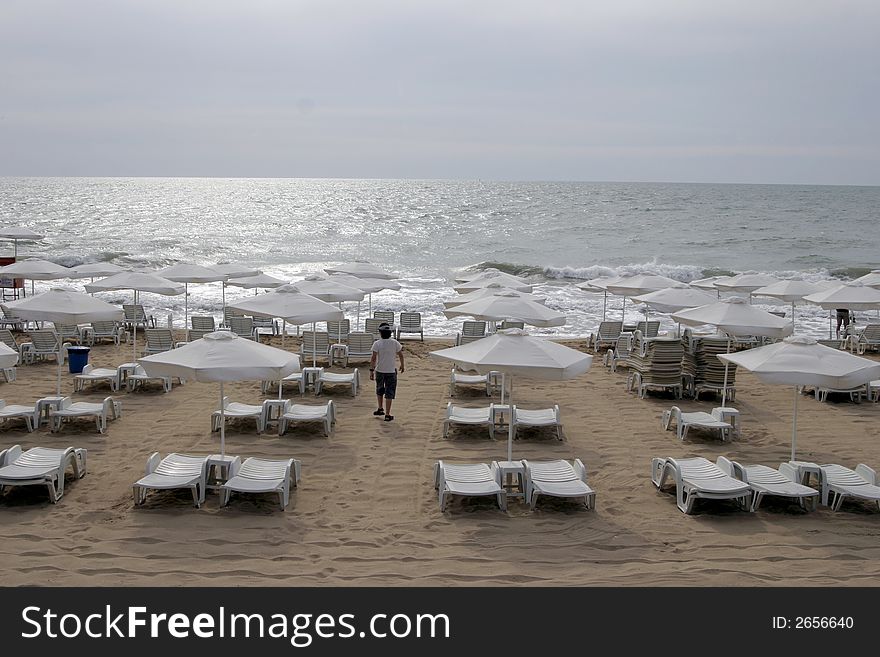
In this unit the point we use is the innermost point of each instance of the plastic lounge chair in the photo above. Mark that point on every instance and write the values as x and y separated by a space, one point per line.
41 466
20 412
262 476
69 332
91 374
606 335
360 346
158 340
371 326
764 480
410 323
238 411
618 354
101 412
44 343
649 329
839 482
9 321
463 415
386 317
296 378
701 419
482 380
338 331
243 327
315 345
174 471
105 331
336 378
468 480
294 413
192 335
135 315
511 324
139 377
202 323
698 478
558 479
869 338
855 394
470 330
8 339
541 417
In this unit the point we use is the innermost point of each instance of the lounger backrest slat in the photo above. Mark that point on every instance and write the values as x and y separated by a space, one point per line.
410 321
384 316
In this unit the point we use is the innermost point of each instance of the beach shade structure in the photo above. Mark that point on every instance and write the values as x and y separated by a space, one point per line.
746 283
466 278
484 280
632 286
331 291
600 285
871 279
674 299
800 361
234 270
361 269
34 269
850 296
515 353
789 291
292 305
220 357
367 286
257 282
8 356
15 234
508 305
95 270
188 273
709 283
494 288
63 306
735 316
136 282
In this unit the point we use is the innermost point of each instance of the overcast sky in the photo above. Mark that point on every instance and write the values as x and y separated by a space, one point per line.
772 91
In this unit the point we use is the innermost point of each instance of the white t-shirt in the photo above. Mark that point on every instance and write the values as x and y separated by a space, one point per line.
386 349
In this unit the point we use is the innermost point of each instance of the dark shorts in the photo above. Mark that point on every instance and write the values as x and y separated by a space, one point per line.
386 384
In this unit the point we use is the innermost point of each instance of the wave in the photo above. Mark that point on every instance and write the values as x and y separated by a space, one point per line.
507 267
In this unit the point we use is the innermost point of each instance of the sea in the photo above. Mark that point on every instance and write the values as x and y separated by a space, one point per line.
556 234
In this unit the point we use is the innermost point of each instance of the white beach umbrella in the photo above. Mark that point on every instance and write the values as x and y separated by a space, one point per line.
747 283
871 279
136 281
236 270
674 299
365 285
187 273
329 290
464 277
35 269
631 286
95 270
801 361
8 356
600 284
292 305
15 234
507 305
515 353
220 357
63 307
494 288
489 278
734 316
852 296
257 281
789 291
361 270
708 283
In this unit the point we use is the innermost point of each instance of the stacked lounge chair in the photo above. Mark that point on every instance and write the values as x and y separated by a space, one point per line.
702 369
655 363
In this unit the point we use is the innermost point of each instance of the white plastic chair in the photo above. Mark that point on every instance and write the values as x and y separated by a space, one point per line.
557 479
20 412
464 415
174 471
468 480
839 482
764 480
541 417
238 411
41 466
336 378
703 420
262 476
101 412
295 413
139 377
91 374
698 478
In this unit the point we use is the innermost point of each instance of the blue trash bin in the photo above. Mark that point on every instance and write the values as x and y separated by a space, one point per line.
77 359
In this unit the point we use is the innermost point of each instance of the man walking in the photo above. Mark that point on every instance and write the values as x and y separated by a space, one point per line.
382 369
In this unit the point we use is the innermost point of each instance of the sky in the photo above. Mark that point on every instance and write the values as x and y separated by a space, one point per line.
756 91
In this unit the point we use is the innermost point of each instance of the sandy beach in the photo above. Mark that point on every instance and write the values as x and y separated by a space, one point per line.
366 511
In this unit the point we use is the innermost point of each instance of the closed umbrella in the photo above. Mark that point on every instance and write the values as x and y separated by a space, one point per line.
188 273
801 361
220 357
515 353
35 269
489 290
136 281
734 316
789 291
508 305
63 307
15 234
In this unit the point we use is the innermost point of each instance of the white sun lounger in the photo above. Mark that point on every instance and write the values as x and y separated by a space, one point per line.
91 374
174 471
701 419
293 413
18 411
41 466
483 380
463 415
335 378
698 478
764 480
262 476
237 411
541 417
468 480
839 482
102 412
140 377
557 479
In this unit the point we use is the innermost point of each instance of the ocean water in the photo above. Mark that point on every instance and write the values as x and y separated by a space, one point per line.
555 233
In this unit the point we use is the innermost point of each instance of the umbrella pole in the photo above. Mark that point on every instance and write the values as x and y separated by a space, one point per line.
604 304
509 424
58 358
134 332
792 317
223 293
724 389
283 331
358 324
830 323
794 424
314 345
222 423
185 306
371 304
